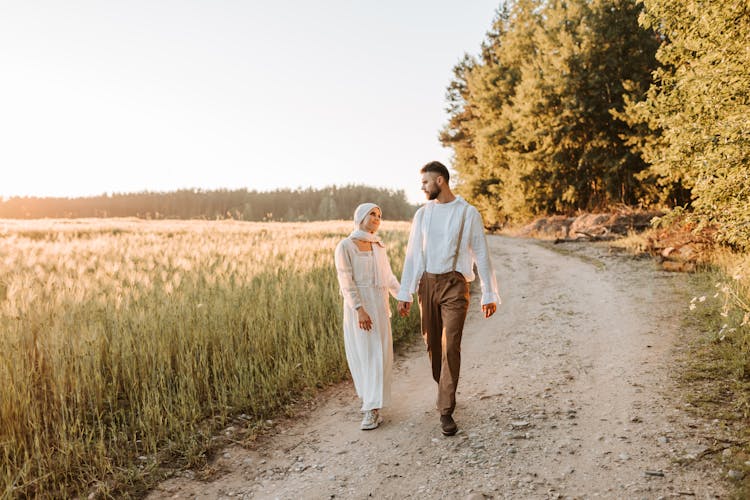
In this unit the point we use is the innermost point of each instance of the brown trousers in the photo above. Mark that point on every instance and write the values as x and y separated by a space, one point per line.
443 304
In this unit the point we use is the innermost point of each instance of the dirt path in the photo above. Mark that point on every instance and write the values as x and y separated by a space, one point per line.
565 393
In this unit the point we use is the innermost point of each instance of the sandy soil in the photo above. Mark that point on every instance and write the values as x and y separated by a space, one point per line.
566 392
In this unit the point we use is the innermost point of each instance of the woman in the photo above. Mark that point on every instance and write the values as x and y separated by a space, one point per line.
365 278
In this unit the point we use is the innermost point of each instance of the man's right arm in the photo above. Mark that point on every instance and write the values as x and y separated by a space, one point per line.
412 261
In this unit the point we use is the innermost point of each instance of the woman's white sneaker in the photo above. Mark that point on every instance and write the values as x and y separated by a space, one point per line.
371 420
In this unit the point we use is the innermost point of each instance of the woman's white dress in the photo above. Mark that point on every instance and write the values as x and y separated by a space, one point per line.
365 278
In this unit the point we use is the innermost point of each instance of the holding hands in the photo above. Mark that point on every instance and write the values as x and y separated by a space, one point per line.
403 308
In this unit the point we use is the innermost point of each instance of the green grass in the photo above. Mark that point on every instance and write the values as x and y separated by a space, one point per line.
126 346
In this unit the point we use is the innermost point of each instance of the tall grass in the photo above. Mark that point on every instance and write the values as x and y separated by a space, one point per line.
123 343
723 312
716 368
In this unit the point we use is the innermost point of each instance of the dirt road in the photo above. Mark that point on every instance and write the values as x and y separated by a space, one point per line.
565 393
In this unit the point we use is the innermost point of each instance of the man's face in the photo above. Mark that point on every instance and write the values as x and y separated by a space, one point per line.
430 185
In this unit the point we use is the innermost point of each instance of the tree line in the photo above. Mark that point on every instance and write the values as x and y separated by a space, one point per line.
582 105
280 205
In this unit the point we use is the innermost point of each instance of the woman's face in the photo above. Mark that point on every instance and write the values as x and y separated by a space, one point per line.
372 221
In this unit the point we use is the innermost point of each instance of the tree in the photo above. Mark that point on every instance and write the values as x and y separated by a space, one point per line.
697 111
533 123
567 141
479 111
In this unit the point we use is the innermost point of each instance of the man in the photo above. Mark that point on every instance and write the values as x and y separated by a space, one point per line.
446 239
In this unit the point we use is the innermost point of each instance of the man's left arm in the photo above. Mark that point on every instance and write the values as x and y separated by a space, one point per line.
481 254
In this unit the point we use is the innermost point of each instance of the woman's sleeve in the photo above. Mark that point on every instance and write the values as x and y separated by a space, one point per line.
345 275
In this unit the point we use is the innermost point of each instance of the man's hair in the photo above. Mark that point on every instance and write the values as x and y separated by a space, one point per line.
438 168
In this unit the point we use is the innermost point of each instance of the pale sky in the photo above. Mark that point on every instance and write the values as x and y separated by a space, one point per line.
119 96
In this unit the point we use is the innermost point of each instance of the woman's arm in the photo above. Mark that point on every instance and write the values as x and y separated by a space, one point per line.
345 274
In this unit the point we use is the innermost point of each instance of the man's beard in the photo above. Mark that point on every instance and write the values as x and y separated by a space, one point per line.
433 194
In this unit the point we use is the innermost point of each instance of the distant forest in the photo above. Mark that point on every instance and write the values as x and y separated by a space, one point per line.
241 204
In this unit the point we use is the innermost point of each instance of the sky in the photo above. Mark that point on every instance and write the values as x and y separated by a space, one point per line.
130 95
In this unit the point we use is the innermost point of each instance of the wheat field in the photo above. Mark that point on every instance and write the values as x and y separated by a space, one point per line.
125 344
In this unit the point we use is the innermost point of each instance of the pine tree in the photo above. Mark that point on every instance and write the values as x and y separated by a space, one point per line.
537 121
479 123
567 141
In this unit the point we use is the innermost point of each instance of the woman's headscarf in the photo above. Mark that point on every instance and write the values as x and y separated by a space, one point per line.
360 214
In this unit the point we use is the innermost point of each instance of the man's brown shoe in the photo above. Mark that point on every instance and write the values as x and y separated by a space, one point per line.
448 425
